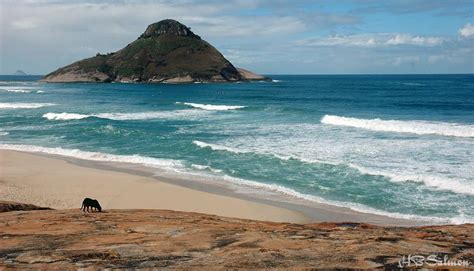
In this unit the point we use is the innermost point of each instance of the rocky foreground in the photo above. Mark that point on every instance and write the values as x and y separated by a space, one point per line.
65 239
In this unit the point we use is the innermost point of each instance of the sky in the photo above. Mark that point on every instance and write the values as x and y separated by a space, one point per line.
265 36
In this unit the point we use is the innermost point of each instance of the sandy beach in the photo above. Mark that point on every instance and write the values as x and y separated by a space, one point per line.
55 183
61 182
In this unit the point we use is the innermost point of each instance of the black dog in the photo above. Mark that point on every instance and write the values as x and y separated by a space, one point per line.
92 203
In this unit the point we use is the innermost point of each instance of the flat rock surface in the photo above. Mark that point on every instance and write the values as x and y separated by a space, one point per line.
65 239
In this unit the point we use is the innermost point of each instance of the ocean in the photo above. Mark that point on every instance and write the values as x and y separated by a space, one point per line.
395 145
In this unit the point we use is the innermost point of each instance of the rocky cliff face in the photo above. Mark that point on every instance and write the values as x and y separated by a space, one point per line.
167 51
70 239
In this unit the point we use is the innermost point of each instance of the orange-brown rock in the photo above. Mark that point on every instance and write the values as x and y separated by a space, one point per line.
70 239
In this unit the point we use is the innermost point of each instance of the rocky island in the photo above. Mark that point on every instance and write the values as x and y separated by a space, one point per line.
167 52
19 73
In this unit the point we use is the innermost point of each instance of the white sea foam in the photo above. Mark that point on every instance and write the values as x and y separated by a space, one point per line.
353 206
438 182
270 190
213 107
176 114
148 115
439 162
216 147
276 81
398 126
16 89
201 167
65 116
23 105
20 89
98 156
3 133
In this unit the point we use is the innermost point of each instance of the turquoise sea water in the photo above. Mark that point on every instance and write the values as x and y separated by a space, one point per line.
398 145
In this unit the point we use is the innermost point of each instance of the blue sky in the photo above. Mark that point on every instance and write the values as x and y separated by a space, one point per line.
270 37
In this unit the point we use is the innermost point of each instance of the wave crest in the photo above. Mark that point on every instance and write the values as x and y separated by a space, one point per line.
216 147
64 116
126 116
20 89
23 105
414 127
213 107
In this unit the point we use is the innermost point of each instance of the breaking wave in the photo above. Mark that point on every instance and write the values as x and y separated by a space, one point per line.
20 89
65 116
418 127
216 147
213 107
177 114
23 105
436 182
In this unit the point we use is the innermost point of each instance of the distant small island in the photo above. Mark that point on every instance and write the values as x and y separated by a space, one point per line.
19 73
167 52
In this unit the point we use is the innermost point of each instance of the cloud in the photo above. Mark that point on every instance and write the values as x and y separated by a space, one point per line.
223 26
406 39
452 8
467 30
372 40
274 36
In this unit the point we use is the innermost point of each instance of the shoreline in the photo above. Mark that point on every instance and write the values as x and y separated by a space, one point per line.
53 182
155 191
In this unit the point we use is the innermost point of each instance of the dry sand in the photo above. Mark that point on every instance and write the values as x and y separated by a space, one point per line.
56 183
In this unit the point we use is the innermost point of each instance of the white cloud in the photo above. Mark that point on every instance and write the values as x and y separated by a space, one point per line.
467 30
228 26
372 40
406 39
